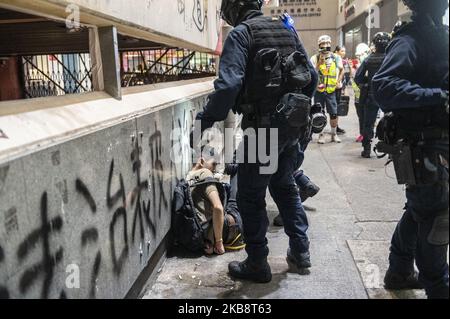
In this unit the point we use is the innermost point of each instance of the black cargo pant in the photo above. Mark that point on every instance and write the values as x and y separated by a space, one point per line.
370 118
422 234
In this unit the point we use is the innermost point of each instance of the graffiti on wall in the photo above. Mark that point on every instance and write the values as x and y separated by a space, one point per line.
127 215
194 14
4 294
40 238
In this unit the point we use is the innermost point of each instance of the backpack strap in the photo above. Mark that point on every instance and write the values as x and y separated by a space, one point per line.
212 180
209 180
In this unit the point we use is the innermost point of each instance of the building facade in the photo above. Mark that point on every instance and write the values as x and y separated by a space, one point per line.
313 18
359 20
348 22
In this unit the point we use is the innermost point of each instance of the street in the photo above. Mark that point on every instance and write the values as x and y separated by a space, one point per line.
358 208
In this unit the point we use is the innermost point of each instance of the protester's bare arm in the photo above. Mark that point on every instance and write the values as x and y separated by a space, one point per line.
218 220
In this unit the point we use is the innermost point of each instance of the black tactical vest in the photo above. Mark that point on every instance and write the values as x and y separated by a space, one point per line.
374 62
267 33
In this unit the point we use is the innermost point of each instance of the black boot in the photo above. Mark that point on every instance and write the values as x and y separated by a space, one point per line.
394 281
299 264
340 131
309 191
258 272
367 153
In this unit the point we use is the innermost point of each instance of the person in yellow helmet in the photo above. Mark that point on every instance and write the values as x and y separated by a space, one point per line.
331 74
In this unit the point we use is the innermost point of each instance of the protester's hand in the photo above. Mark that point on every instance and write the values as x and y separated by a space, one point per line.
219 248
340 85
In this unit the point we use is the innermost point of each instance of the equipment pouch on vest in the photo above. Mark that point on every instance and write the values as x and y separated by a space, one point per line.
297 72
295 109
267 75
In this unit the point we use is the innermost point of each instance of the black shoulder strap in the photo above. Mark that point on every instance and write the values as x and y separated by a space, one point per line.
252 23
211 180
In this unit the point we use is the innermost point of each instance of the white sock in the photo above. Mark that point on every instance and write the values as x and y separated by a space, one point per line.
334 131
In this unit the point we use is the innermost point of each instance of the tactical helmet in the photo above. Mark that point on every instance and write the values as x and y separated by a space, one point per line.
398 26
381 40
437 7
231 10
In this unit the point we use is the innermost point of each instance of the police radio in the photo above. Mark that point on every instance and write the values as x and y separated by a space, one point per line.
288 22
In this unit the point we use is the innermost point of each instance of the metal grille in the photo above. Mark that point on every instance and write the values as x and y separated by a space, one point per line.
59 74
164 65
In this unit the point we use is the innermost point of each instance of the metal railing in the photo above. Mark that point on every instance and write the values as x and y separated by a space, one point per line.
61 74
58 74
164 65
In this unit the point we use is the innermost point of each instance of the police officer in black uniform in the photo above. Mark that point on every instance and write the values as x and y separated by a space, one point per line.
364 76
237 89
412 84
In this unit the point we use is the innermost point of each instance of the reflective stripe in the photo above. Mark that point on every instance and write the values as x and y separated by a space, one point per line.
328 77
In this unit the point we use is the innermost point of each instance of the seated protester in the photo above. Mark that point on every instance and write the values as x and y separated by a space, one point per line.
221 225
207 201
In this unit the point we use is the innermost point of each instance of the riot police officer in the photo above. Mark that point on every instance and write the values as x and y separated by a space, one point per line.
364 76
237 89
412 84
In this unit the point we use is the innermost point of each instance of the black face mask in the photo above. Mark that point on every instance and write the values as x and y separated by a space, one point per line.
325 50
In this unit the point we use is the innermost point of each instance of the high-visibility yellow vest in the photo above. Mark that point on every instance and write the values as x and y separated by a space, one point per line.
328 77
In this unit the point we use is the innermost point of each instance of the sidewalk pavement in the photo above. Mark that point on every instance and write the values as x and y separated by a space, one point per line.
357 211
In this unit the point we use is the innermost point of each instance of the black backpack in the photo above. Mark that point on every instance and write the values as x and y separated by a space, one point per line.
187 230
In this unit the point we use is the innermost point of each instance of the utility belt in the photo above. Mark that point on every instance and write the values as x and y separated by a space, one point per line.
413 161
293 111
254 117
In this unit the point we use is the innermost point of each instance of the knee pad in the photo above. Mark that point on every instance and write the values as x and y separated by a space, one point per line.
333 116
439 233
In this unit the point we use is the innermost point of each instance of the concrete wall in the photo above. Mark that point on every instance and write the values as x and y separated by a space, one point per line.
86 199
196 21
192 24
